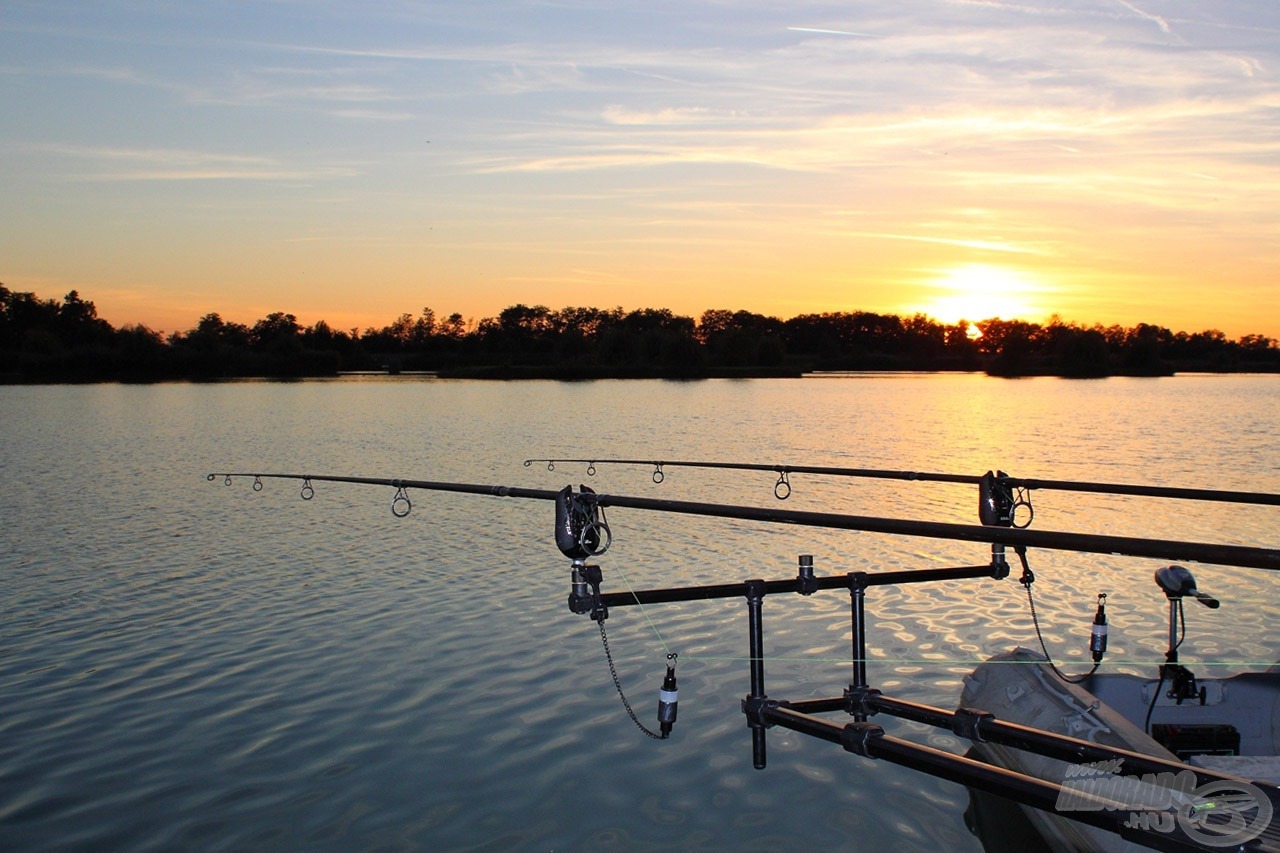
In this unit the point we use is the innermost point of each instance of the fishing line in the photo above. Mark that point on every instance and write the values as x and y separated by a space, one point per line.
613 670
643 610
1155 695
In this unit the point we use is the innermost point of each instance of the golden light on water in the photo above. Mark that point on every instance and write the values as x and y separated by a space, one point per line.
983 291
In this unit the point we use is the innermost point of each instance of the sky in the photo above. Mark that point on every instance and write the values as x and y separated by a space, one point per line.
1107 161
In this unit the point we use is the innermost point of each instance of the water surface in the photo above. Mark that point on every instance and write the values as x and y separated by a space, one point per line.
184 664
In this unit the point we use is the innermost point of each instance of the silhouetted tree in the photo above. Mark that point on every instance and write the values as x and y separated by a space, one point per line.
139 353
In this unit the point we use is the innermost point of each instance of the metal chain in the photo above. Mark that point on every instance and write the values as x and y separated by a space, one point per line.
1027 579
618 684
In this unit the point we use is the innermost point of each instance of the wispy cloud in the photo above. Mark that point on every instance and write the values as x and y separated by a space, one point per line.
171 164
984 245
619 115
1156 19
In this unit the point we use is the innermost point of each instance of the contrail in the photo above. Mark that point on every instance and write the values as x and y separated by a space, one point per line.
831 32
1159 21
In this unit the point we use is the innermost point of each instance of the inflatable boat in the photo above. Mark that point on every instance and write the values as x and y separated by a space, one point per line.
1230 725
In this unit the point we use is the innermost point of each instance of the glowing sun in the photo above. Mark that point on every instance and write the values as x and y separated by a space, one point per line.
981 292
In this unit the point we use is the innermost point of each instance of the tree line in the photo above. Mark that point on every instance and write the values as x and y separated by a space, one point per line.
49 340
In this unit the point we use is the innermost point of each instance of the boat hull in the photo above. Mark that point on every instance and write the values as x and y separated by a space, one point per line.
1019 687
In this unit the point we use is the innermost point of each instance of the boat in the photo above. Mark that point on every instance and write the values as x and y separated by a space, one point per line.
1230 725
1110 761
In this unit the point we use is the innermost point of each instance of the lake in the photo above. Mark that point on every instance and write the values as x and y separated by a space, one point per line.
189 665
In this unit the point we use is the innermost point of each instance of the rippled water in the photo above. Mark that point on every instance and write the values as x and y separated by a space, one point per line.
188 665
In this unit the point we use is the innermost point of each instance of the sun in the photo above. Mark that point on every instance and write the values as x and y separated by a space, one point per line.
981 292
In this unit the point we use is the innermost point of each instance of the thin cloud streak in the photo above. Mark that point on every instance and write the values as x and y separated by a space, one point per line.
153 164
984 245
1156 19
826 32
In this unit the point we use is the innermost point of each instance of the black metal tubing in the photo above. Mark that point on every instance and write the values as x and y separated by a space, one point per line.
866 739
858 583
755 591
1198 552
819 706
869 740
960 573
734 590
755 625
991 729
1220 495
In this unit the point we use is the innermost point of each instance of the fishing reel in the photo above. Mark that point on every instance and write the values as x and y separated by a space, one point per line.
581 533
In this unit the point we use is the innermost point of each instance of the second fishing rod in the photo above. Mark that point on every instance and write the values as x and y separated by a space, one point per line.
1020 487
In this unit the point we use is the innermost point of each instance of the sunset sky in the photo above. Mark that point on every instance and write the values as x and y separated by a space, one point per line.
1105 160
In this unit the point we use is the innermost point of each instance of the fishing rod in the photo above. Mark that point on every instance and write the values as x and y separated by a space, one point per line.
991 532
782 488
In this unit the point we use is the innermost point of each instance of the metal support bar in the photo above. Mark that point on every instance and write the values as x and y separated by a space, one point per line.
755 628
857 606
979 725
795 585
869 740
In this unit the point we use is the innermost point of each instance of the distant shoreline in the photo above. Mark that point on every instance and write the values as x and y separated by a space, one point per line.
536 375
48 341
